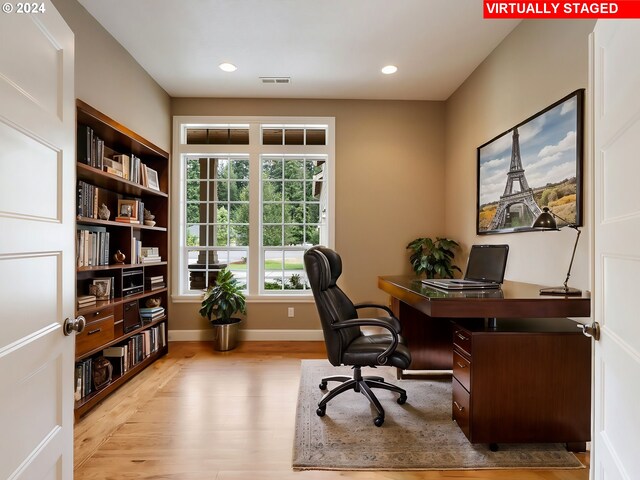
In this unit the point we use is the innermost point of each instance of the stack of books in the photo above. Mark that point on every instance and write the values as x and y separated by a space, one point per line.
154 283
150 314
150 255
86 301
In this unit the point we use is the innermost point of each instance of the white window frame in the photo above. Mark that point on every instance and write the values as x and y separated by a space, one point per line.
255 149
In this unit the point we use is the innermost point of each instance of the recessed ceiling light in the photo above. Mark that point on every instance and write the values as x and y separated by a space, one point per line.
389 69
228 67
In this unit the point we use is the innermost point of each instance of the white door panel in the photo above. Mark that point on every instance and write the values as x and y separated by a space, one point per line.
37 286
616 110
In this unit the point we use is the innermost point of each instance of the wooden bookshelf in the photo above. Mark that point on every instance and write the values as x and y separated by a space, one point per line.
130 288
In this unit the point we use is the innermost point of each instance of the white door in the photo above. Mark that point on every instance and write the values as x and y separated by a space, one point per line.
616 93
37 118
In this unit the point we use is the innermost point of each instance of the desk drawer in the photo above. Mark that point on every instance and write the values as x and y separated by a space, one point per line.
462 370
462 339
94 335
460 407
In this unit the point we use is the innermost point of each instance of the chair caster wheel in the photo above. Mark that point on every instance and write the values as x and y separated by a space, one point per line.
402 399
321 411
493 447
323 385
378 421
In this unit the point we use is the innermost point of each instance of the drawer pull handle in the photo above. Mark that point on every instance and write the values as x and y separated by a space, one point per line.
461 365
458 406
97 330
462 337
95 314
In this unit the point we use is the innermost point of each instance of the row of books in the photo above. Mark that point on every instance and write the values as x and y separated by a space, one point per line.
131 168
90 147
83 376
155 282
150 255
92 246
87 204
125 356
149 314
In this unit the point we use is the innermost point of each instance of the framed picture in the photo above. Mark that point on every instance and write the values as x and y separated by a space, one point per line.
537 163
152 179
102 288
128 208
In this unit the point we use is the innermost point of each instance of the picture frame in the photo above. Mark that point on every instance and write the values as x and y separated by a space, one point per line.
152 179
535 164
107 285
128 208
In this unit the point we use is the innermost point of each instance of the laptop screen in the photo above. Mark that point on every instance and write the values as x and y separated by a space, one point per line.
487 263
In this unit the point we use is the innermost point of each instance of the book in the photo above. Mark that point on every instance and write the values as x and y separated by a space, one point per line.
127 220
124 160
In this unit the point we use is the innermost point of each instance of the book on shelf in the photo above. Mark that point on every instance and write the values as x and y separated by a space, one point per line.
130 220
86 301
150 251
155 278
150 259
123 160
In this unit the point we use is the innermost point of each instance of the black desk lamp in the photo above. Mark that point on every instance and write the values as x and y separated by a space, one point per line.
547 221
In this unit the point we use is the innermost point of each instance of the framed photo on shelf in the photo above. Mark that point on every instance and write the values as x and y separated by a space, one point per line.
535 164
152 179
128 208
102 288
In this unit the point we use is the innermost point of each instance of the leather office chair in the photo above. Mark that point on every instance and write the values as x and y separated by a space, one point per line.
345 342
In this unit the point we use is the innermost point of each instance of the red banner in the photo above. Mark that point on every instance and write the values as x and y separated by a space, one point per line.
561 9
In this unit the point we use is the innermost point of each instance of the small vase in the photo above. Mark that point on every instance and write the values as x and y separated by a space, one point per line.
119 257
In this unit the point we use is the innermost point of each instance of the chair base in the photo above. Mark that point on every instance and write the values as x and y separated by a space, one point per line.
359 384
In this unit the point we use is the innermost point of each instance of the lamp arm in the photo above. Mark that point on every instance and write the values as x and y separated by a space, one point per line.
575 245
570 225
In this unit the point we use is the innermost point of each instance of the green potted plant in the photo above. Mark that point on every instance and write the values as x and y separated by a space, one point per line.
433 257
221 301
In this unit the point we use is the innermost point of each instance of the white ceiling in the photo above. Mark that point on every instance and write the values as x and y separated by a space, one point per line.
329 48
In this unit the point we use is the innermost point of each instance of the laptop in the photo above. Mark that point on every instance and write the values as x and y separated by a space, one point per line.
485 269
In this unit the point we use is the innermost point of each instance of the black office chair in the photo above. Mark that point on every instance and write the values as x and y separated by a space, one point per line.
345 342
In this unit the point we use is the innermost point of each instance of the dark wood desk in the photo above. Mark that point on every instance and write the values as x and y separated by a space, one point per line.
521 372
421 310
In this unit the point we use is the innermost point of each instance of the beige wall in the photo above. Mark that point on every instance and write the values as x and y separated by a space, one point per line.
389 186
109 79
537 64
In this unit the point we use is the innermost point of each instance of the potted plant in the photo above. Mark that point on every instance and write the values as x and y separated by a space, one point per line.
220 302
433 257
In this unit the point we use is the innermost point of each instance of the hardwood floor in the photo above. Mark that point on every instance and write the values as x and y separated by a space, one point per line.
202 414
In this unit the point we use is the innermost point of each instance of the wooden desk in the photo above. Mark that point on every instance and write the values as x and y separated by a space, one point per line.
521 372
421 310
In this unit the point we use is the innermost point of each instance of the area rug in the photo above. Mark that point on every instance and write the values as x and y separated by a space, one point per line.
418 435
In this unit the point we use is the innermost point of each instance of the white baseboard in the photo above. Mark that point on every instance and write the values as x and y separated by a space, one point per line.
252 335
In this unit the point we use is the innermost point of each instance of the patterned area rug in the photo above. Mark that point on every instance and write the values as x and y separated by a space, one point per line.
418 435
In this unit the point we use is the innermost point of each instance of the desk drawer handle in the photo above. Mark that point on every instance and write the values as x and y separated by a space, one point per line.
461 365
91 332
458 406
462 337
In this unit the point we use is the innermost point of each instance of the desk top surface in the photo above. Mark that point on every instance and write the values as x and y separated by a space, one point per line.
514 299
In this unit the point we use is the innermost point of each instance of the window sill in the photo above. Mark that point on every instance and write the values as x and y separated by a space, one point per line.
289 299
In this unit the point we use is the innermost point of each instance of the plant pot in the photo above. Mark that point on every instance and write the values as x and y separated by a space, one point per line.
225 336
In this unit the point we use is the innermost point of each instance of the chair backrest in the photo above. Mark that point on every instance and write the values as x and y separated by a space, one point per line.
323 267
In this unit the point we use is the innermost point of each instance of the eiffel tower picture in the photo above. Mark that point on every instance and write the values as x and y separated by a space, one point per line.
517 206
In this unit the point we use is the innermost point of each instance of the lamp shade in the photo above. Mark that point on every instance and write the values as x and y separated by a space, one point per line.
545 221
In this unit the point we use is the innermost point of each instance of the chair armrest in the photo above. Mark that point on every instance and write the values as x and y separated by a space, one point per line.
374 305
389 324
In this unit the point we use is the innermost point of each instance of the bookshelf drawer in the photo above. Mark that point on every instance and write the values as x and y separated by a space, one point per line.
94 335
98 315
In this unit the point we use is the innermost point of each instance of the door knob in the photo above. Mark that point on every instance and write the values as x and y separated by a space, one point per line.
592 330
70 325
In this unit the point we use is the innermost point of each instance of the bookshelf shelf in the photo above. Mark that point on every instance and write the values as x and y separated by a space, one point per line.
116 322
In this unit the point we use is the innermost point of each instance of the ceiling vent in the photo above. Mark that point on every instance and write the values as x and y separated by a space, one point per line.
276 80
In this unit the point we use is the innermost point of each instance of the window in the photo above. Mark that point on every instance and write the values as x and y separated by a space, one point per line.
255 194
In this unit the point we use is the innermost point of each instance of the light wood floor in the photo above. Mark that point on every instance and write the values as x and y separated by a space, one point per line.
227 416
